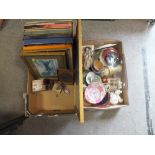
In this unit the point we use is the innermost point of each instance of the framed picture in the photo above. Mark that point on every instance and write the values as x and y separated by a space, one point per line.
45 64
67 48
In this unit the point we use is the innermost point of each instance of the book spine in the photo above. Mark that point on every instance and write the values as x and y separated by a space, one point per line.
49 22
46 47
46 36
49 26
47 41
44 32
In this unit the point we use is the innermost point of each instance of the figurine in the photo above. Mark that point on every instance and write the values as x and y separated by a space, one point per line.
87 56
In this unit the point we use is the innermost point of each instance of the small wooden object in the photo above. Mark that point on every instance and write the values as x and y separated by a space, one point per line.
65 76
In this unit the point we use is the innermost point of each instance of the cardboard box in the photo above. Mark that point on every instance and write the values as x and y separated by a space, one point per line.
48 102
124 79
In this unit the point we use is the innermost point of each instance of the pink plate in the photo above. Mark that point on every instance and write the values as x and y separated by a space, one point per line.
95 92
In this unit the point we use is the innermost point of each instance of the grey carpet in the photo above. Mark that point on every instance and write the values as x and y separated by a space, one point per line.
135 35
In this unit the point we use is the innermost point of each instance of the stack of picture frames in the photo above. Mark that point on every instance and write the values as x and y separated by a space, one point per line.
48 51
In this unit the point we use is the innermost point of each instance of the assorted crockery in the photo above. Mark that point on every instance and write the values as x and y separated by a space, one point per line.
102 82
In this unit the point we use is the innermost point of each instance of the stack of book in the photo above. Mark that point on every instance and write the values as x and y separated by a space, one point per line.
47 47
57 32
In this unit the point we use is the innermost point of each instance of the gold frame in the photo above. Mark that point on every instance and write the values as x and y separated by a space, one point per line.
60 56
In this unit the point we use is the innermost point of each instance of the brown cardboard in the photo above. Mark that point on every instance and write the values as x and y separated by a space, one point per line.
119 47
49 102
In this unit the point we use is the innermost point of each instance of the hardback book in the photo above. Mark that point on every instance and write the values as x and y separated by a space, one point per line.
33 32
46 36
62 40
46 47
28 24
50 26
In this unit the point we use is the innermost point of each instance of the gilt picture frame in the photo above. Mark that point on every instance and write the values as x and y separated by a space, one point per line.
45 64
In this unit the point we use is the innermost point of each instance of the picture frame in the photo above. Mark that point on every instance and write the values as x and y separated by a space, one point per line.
67 48
45 64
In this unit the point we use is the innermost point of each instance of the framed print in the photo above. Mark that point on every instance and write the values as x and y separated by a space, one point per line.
46 67
45 64
67 48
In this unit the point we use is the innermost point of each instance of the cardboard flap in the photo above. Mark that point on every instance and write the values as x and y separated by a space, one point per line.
79 80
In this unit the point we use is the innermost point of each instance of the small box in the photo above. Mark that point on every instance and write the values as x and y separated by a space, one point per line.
38 85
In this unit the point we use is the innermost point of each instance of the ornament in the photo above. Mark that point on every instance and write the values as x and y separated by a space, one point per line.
95 93
92 77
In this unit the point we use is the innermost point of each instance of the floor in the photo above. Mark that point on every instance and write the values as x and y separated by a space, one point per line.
138 118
